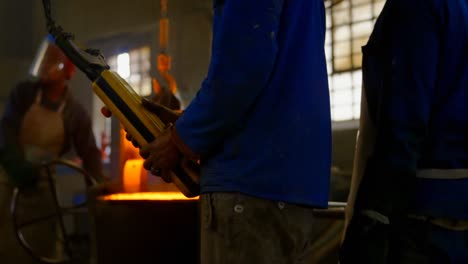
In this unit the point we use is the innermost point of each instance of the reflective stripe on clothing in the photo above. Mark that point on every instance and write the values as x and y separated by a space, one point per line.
441 193
448 223
451 174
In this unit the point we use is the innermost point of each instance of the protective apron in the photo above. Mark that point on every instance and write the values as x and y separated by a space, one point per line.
41 138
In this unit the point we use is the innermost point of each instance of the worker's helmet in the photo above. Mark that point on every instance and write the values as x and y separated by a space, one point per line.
50 63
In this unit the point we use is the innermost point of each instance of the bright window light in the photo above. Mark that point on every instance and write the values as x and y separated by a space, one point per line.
134 66
123 65
349 24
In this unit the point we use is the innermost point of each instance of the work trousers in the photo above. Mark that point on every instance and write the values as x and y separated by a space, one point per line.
237 228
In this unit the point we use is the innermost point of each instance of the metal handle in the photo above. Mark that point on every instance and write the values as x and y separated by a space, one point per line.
336 210
90 61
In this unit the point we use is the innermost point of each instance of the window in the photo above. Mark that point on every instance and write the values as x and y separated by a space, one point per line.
134 67
349 24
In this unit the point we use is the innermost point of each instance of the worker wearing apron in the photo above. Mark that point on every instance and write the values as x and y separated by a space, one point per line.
42 121
41 137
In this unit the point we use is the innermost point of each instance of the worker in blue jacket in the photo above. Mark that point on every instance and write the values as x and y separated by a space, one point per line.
409 191
260 126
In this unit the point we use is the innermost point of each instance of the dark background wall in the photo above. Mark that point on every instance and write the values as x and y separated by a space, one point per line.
111 25
344 141
101 22
17 42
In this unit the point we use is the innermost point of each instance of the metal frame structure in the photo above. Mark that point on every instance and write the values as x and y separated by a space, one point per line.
350 58
58 214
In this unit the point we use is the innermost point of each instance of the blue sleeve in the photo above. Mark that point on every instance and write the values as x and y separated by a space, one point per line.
409 92
243 56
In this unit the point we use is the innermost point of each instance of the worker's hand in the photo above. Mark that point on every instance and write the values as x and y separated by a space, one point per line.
131 139
107 113
166 115
161 155
366 241
105 188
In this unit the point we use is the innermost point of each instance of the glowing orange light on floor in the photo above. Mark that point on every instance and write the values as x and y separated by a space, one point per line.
147 196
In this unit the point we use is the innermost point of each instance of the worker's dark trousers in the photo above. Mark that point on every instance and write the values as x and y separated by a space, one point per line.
237 228
421 242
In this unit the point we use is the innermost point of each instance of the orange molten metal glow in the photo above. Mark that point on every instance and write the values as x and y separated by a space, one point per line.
134 175
147 196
